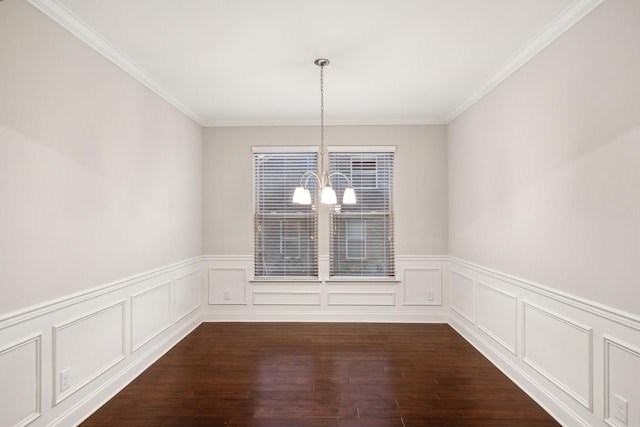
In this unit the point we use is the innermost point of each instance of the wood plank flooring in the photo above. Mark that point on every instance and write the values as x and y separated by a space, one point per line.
322 375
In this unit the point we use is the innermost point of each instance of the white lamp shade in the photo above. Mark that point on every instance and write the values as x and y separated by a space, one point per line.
298 194
305 199
328 196
349 197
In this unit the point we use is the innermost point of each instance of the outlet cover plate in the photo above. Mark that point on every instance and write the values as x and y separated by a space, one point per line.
65 380
621 409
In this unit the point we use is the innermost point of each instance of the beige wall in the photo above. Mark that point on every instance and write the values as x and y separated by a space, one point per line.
99 178
544 172
421 182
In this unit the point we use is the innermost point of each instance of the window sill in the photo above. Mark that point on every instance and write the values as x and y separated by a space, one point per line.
385 280
283 280
334 280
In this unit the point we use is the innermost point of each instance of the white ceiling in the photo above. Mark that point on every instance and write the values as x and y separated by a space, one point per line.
250 62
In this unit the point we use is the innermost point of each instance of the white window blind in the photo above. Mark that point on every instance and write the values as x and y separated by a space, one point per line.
285 234
362 237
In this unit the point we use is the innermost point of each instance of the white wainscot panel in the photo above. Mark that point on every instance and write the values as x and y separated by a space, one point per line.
285 298
86 347
20 388
227 285
186 294
150 314
560 350
463 295
362 298
622 383
498 315
422 286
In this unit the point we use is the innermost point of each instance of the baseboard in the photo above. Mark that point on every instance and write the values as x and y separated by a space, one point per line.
323 316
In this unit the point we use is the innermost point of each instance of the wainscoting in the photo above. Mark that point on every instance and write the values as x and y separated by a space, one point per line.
579 360
418 295
62 360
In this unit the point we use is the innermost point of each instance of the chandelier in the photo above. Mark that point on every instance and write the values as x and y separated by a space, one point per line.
301 194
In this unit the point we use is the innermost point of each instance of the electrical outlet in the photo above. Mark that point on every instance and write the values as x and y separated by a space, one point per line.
65 379
225 295
621 407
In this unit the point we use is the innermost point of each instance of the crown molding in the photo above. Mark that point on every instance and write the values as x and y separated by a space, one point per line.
76 26
567 19
71 22
275 123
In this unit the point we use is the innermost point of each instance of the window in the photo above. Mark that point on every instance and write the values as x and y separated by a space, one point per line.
285 234
362 237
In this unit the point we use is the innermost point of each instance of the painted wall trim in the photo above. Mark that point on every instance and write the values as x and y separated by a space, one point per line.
324 257
68 20
587 401
89 404
37 398
481 285
609 313
564 344
470 317
72 23
136 345
574 13
234 296
535 390
333 316
19 316
296 298
59 395
80 348
179 316
606 328
610 342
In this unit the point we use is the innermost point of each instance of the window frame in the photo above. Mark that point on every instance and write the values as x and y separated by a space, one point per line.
386 217
306 214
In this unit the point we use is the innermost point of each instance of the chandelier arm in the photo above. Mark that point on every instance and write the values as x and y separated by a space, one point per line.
341 174
311 175
306 176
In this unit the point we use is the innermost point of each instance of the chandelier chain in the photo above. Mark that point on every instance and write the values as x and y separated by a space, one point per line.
322 105
322 115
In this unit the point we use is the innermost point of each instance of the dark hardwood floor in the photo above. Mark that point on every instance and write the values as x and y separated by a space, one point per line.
322 374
